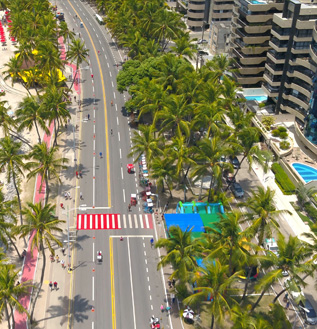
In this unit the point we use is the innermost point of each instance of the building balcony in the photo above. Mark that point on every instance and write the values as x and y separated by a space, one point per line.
269 90
282 22
195 15
279 36
273 69
247 60
298 114
300 51
305 25
277 47
313 53
248 80
191 23
221 15
301 89
222 7
254 7
278 59
315 32
252 40
250 71
193 6
305 62
296 100
275 83
301 75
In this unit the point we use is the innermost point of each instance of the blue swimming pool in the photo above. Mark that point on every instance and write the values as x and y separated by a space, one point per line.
306 172
256 98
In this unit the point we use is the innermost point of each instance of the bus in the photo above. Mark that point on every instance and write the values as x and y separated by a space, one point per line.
99 19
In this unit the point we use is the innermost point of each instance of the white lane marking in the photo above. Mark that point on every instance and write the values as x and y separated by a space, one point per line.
102 221
94 29
94 145
144 253
93 288
93 251
147 270
152 307
94 127
131 282
102 49
114 95
123 195
119 136
143 245
150 297
120 154
117 121
130 221
149 288
112 84
90 23
148 279
141 221
116 107
110 74
85 221
106 57
108 65
121 173
100 41
119 221
93 180
146 261
136 221
97 36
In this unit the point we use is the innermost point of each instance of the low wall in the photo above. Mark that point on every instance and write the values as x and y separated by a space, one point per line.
304 140
312 184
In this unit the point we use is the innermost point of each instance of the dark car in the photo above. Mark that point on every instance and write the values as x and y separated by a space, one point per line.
308 312
237 190
235 162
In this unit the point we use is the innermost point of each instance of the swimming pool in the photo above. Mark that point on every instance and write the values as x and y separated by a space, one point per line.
256 98
306 172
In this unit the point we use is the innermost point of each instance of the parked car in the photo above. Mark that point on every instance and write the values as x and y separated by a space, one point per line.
235 162
308 312
229 177
237 190
202 41
270 244
294 290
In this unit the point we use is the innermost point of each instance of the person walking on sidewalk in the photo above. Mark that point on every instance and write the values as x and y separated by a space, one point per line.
63 263
129 207
80 174
81 196
173 298
51 285
63 251
55 285
76 174
162 308
57 259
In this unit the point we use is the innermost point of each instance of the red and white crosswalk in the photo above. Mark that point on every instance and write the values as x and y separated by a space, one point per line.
113 221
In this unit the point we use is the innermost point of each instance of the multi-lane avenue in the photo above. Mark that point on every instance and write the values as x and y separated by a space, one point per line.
125 289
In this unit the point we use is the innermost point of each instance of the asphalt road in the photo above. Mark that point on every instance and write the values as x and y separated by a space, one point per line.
125 290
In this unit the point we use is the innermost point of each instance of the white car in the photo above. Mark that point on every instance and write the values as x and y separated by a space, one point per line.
270 244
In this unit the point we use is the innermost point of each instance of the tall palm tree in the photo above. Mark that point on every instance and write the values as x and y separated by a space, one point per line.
12 163
29 115
144 142
213 280
10 292
263 213
7 122
304 194
41 220
184 47
77 53
181 253
47 163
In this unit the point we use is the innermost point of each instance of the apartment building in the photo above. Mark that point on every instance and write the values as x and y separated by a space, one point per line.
250 38
291 62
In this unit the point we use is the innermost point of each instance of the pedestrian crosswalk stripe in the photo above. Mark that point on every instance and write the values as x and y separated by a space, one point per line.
141 221
114 221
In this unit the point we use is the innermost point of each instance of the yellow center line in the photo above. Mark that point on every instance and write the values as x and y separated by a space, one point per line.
113 298
104 100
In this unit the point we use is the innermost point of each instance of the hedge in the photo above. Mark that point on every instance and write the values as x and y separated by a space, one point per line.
311 211
282 179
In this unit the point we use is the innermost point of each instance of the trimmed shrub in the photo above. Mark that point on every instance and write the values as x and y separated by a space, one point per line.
282 180
285 145
283 134
282 129
276 133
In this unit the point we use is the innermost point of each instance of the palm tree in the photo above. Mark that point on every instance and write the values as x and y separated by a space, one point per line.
13 70
42 221
46 163
263 213
144 142
10 292
8 221
184 47
29 114
213 280
163 171
12 163
77 53
208 160
304 194
181 252
7 122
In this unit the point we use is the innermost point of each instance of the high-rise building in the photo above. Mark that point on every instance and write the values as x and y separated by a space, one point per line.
290 67
250 38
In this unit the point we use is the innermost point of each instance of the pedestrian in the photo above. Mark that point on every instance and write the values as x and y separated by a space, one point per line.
76 174
68 195
117 65
81 174
173 282
63 251
169 282
63 263
92 76
88 116
287 304
111 131
100 154
81 196
18 283
173 298
62 205
57 259
66 126
75 98
168 308
51 285
129 207
162 308
55 285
